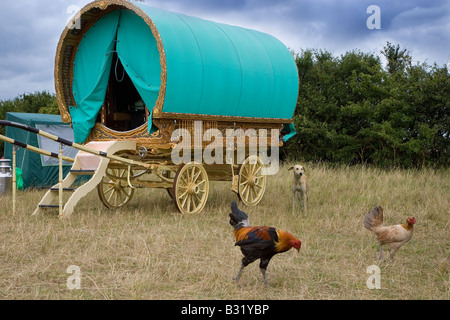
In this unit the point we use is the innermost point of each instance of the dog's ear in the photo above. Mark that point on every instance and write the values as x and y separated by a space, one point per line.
304 169
291 168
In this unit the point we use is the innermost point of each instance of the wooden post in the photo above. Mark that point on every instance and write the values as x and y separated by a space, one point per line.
60 180
14 180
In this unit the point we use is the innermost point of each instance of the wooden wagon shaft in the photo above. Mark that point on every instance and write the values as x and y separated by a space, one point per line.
75 145
34 149
157 170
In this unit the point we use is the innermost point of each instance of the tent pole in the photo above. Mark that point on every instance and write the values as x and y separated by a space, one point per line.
60 180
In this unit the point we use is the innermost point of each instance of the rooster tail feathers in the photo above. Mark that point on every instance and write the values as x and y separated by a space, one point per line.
238 218
373 218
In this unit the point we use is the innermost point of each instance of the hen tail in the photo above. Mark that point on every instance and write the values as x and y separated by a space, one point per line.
373 218
238 218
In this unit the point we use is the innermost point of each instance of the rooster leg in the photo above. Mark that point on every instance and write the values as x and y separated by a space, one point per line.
381 251
264 262
238 276
263 271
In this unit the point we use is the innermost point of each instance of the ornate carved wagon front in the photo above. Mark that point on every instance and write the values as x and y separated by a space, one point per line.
125 71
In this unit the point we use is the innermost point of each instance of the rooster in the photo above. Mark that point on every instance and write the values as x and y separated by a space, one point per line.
394 236
259 242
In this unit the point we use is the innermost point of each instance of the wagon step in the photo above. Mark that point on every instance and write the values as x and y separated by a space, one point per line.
64 189
47 206
88 165
83 172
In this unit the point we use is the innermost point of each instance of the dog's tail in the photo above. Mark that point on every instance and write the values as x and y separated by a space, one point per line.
373 218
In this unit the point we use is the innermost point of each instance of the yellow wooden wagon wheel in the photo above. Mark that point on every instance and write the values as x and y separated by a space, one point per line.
191 188
252 181
113 190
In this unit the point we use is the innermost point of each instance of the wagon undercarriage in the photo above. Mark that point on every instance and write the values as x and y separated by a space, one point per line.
188 184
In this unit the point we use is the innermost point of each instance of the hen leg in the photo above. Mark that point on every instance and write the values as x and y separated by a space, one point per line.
381 251
393 251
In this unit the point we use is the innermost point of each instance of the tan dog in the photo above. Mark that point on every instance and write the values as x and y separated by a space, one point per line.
300 184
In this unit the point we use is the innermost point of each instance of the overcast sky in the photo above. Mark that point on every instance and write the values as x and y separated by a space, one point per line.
30 29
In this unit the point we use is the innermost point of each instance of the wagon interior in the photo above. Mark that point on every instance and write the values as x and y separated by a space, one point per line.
123 109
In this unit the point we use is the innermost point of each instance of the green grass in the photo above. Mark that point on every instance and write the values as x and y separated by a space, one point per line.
150 251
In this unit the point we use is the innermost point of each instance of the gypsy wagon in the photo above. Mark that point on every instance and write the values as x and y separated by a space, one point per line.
130 78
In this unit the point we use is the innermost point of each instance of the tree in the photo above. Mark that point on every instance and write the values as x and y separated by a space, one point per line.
336 105
37 102
397 60
351 110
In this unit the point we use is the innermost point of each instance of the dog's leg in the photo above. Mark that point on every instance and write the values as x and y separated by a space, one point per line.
305 202
300 199
293 201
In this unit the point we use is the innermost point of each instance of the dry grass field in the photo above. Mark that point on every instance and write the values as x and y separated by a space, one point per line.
150 251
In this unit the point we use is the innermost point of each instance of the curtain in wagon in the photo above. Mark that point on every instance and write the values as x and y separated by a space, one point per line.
91 72
138 52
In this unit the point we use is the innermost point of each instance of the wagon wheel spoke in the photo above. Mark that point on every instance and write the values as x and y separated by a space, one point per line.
258 186
196 196
191 188
255 194
245 191
199 184
112 192
108 190
115 198
244 183
258 169
252 183
244 173
183 195
196 177
111 195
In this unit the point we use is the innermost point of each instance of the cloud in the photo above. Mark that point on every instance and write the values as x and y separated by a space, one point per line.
30 30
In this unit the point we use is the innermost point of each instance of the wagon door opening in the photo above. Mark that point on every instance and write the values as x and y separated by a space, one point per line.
116 75
123 109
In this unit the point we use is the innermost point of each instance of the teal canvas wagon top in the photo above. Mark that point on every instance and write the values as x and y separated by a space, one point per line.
179 65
